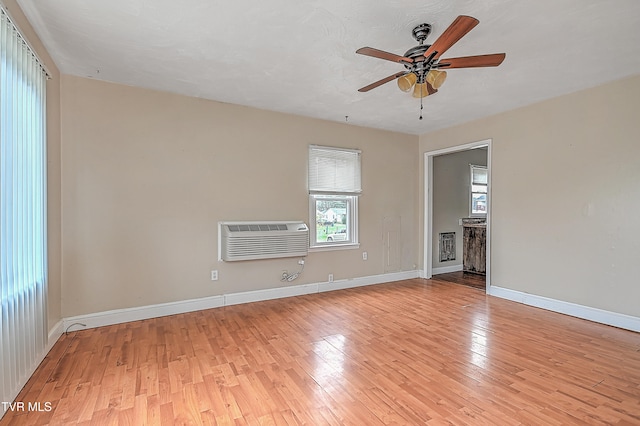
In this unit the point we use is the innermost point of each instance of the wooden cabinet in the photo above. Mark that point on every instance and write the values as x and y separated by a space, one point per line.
474 248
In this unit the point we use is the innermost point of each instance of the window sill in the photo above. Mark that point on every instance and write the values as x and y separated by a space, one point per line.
332 247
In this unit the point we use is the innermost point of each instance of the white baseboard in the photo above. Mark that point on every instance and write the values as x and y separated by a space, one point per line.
446 269
370 280
54 334
269 294
614 319
118 316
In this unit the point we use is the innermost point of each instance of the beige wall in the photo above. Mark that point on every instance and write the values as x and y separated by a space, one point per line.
53 165
451 186
565 195
147 175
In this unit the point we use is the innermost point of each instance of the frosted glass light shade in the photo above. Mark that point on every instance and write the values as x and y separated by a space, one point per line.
436 78
406 82
420 90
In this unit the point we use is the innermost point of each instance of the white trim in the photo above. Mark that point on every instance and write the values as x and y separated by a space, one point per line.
614 319
269 294
471 167
352 223
54 334
428 216
370 280
333 148
446 269
428 204
327 247
118 316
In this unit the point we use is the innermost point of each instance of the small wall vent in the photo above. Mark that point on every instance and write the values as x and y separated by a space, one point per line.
262 240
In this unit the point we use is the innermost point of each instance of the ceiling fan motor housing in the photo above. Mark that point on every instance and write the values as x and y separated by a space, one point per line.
421 32
420 66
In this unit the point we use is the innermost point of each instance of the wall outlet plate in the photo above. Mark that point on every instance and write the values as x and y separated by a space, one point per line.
214 275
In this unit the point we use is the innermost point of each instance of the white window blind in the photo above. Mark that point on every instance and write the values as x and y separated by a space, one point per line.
478 175
23 257
334 170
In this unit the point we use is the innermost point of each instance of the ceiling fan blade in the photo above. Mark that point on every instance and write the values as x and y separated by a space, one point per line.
383 81
458 28
492 60
381 54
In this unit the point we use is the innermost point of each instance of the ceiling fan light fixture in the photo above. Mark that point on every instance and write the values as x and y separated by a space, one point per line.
422 63
406 82
436 78
420 90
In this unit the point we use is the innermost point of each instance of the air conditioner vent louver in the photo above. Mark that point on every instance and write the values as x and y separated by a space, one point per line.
258 227
262 240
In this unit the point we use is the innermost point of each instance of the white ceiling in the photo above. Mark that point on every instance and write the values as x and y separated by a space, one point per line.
299 56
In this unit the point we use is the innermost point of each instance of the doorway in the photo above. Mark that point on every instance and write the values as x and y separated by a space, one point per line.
431 233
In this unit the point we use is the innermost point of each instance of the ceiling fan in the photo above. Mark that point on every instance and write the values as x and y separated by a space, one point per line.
423 66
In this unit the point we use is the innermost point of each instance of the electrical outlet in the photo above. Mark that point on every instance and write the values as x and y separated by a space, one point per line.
365 256
214 275
330 278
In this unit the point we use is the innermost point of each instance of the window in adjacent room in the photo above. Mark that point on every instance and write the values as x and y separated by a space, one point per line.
334 187
478 196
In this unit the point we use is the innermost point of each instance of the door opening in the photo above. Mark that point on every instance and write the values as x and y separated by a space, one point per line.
439 217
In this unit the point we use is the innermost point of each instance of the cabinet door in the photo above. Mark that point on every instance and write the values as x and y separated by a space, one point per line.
474 249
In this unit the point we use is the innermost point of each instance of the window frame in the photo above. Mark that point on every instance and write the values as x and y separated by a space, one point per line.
472 192
323 186
351 218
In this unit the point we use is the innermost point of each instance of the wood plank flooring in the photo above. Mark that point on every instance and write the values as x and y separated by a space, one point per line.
464 278
410 352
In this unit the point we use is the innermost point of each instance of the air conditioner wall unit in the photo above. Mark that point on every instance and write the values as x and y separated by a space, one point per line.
262 240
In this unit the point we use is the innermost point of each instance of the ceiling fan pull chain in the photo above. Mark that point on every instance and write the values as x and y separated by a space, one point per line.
420 107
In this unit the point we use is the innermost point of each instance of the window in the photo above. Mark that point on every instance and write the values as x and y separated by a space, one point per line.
23 189
334 187
478 198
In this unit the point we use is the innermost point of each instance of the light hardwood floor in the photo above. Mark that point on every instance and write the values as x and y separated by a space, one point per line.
410 352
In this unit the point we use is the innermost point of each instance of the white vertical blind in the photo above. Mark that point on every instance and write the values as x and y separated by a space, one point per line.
23 257
334 170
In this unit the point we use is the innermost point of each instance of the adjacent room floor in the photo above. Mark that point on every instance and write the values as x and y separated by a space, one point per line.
464 278
409 352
